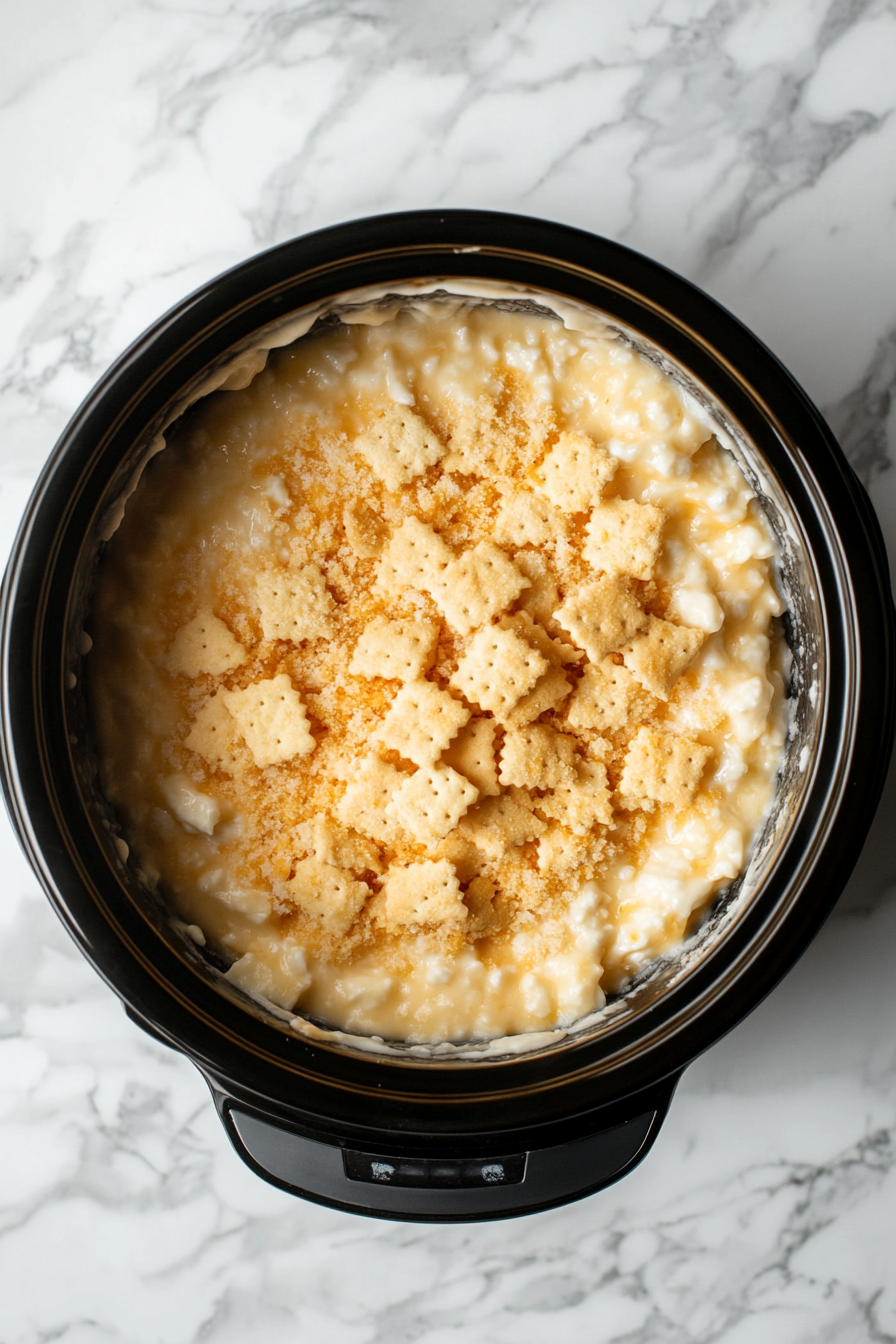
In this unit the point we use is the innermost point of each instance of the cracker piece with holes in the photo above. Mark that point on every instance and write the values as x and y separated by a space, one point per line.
553 686
540 600
658 657
399 445
421 721
397 650
623 537
205 645
424 893
662 768
331 843
272 721
213 734
602 615
608 698
365 531
527 519
497 825
472 754
460 851
583 803
486 915
548 693
363 805
415 557
328 895
431 802
537 757
295 605
497 669
562 852
575 471
477 585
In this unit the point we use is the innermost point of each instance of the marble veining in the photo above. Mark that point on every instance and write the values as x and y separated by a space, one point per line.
145 145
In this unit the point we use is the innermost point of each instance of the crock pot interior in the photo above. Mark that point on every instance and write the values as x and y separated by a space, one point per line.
803 628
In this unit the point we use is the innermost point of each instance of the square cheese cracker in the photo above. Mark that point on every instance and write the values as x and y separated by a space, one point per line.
575 472
295 604
477 585
213 734
329 896
624 537
528 519
397 650
427 892
369 791
415 557
271 719
430 803
537 757
472 754
583 802
663 768
498 668
608 698
496 825
399 445
421 722
205 644
658 657
602 615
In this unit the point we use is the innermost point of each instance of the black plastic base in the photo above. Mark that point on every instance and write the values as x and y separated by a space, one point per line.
438 1189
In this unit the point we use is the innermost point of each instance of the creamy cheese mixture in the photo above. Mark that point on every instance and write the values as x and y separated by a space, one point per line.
435 674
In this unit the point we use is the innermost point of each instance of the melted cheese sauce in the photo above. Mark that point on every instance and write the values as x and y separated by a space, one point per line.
262 476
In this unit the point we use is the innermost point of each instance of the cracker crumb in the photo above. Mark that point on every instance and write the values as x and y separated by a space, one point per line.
662 768
658 657
295 604
399 445
394 649
205 645
271 718
624 537
421 722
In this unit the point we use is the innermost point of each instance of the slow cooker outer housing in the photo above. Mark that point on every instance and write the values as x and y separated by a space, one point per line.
466 1106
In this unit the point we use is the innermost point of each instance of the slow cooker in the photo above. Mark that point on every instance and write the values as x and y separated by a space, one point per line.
477 1132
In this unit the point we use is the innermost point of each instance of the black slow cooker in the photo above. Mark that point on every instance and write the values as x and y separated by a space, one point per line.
478 1133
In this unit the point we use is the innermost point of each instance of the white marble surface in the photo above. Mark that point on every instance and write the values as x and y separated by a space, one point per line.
750 144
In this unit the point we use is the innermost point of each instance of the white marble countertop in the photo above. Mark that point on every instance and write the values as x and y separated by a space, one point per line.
145 146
